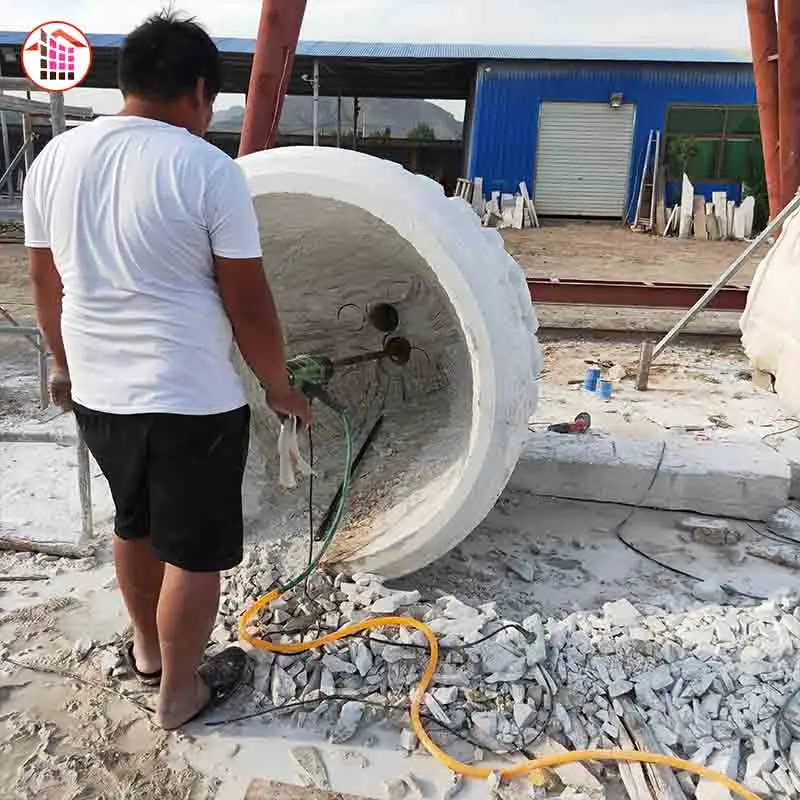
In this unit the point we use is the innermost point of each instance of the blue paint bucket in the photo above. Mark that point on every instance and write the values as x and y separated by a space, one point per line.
604 389
592 379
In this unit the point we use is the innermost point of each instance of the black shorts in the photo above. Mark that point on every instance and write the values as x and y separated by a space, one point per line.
176 480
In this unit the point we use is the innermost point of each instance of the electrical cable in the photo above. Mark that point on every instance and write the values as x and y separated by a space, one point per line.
310 505
729 590
468 770
386 707
774 536
794 427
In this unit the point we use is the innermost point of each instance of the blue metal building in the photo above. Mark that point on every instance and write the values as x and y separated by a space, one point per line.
699 90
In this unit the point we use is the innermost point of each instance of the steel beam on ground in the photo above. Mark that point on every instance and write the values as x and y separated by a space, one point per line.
633 294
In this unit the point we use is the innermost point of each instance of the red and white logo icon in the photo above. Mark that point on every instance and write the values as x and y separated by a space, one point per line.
56 56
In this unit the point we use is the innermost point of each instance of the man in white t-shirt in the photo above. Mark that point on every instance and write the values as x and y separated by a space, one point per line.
145 256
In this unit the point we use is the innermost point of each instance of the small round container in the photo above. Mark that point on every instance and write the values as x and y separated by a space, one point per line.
605 389
592 379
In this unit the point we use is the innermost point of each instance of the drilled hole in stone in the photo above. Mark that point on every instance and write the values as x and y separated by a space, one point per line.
384 316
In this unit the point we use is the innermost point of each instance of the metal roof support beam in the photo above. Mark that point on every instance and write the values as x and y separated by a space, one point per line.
278 34
764 42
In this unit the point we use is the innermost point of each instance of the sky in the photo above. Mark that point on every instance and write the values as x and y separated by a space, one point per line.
677 23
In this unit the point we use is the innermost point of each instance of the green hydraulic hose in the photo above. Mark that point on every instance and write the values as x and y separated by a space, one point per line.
337 518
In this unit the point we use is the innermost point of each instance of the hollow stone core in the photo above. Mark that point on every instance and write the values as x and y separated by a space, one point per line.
327 263
343 235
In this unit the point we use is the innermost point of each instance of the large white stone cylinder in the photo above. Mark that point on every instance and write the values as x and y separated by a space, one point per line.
343 232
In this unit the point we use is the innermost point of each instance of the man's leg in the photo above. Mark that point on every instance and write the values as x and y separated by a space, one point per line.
195 471
186 612
139 574
119 445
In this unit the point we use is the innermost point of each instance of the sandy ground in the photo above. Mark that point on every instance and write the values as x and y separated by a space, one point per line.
596 250
71 732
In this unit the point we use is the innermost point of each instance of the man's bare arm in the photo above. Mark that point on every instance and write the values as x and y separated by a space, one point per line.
250 306
47 294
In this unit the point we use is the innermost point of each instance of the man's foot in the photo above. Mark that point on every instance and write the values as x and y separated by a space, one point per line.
185 707
216 681
146 671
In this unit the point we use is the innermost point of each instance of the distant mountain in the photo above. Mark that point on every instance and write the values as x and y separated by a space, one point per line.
399 116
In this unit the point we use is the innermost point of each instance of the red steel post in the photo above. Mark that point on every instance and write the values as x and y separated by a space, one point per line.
764 44
278 34
789 85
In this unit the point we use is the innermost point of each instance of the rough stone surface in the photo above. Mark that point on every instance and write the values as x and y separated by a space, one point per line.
348 722
734 480
462 416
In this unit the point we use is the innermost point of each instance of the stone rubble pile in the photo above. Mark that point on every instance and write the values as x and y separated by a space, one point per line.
709 682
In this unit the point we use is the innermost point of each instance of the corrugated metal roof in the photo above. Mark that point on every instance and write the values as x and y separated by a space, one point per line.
456 52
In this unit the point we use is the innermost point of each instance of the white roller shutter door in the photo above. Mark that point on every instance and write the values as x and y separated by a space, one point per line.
583 159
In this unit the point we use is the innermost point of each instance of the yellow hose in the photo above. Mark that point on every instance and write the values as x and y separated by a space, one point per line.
520 770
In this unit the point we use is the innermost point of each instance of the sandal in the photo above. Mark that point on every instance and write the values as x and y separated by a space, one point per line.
145 678
224 674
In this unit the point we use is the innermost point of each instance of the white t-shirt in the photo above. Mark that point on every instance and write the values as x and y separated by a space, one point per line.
134 211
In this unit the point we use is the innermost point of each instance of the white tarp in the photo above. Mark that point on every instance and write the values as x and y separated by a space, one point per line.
771 322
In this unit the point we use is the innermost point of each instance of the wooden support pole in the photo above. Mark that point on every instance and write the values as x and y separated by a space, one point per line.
645 360
27 136
58 116
764 44
789 89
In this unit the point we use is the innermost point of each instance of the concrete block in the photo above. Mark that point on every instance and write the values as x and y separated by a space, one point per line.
728 479
790 449
268 790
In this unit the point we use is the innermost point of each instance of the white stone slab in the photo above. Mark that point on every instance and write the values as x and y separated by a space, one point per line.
740 481
700 227
720 200
518 219
687 208
478 200
790 449
748 210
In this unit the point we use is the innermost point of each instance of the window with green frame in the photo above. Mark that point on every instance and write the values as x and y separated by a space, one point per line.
714 143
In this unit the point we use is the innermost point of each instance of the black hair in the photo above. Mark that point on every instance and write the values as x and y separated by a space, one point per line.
164 57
